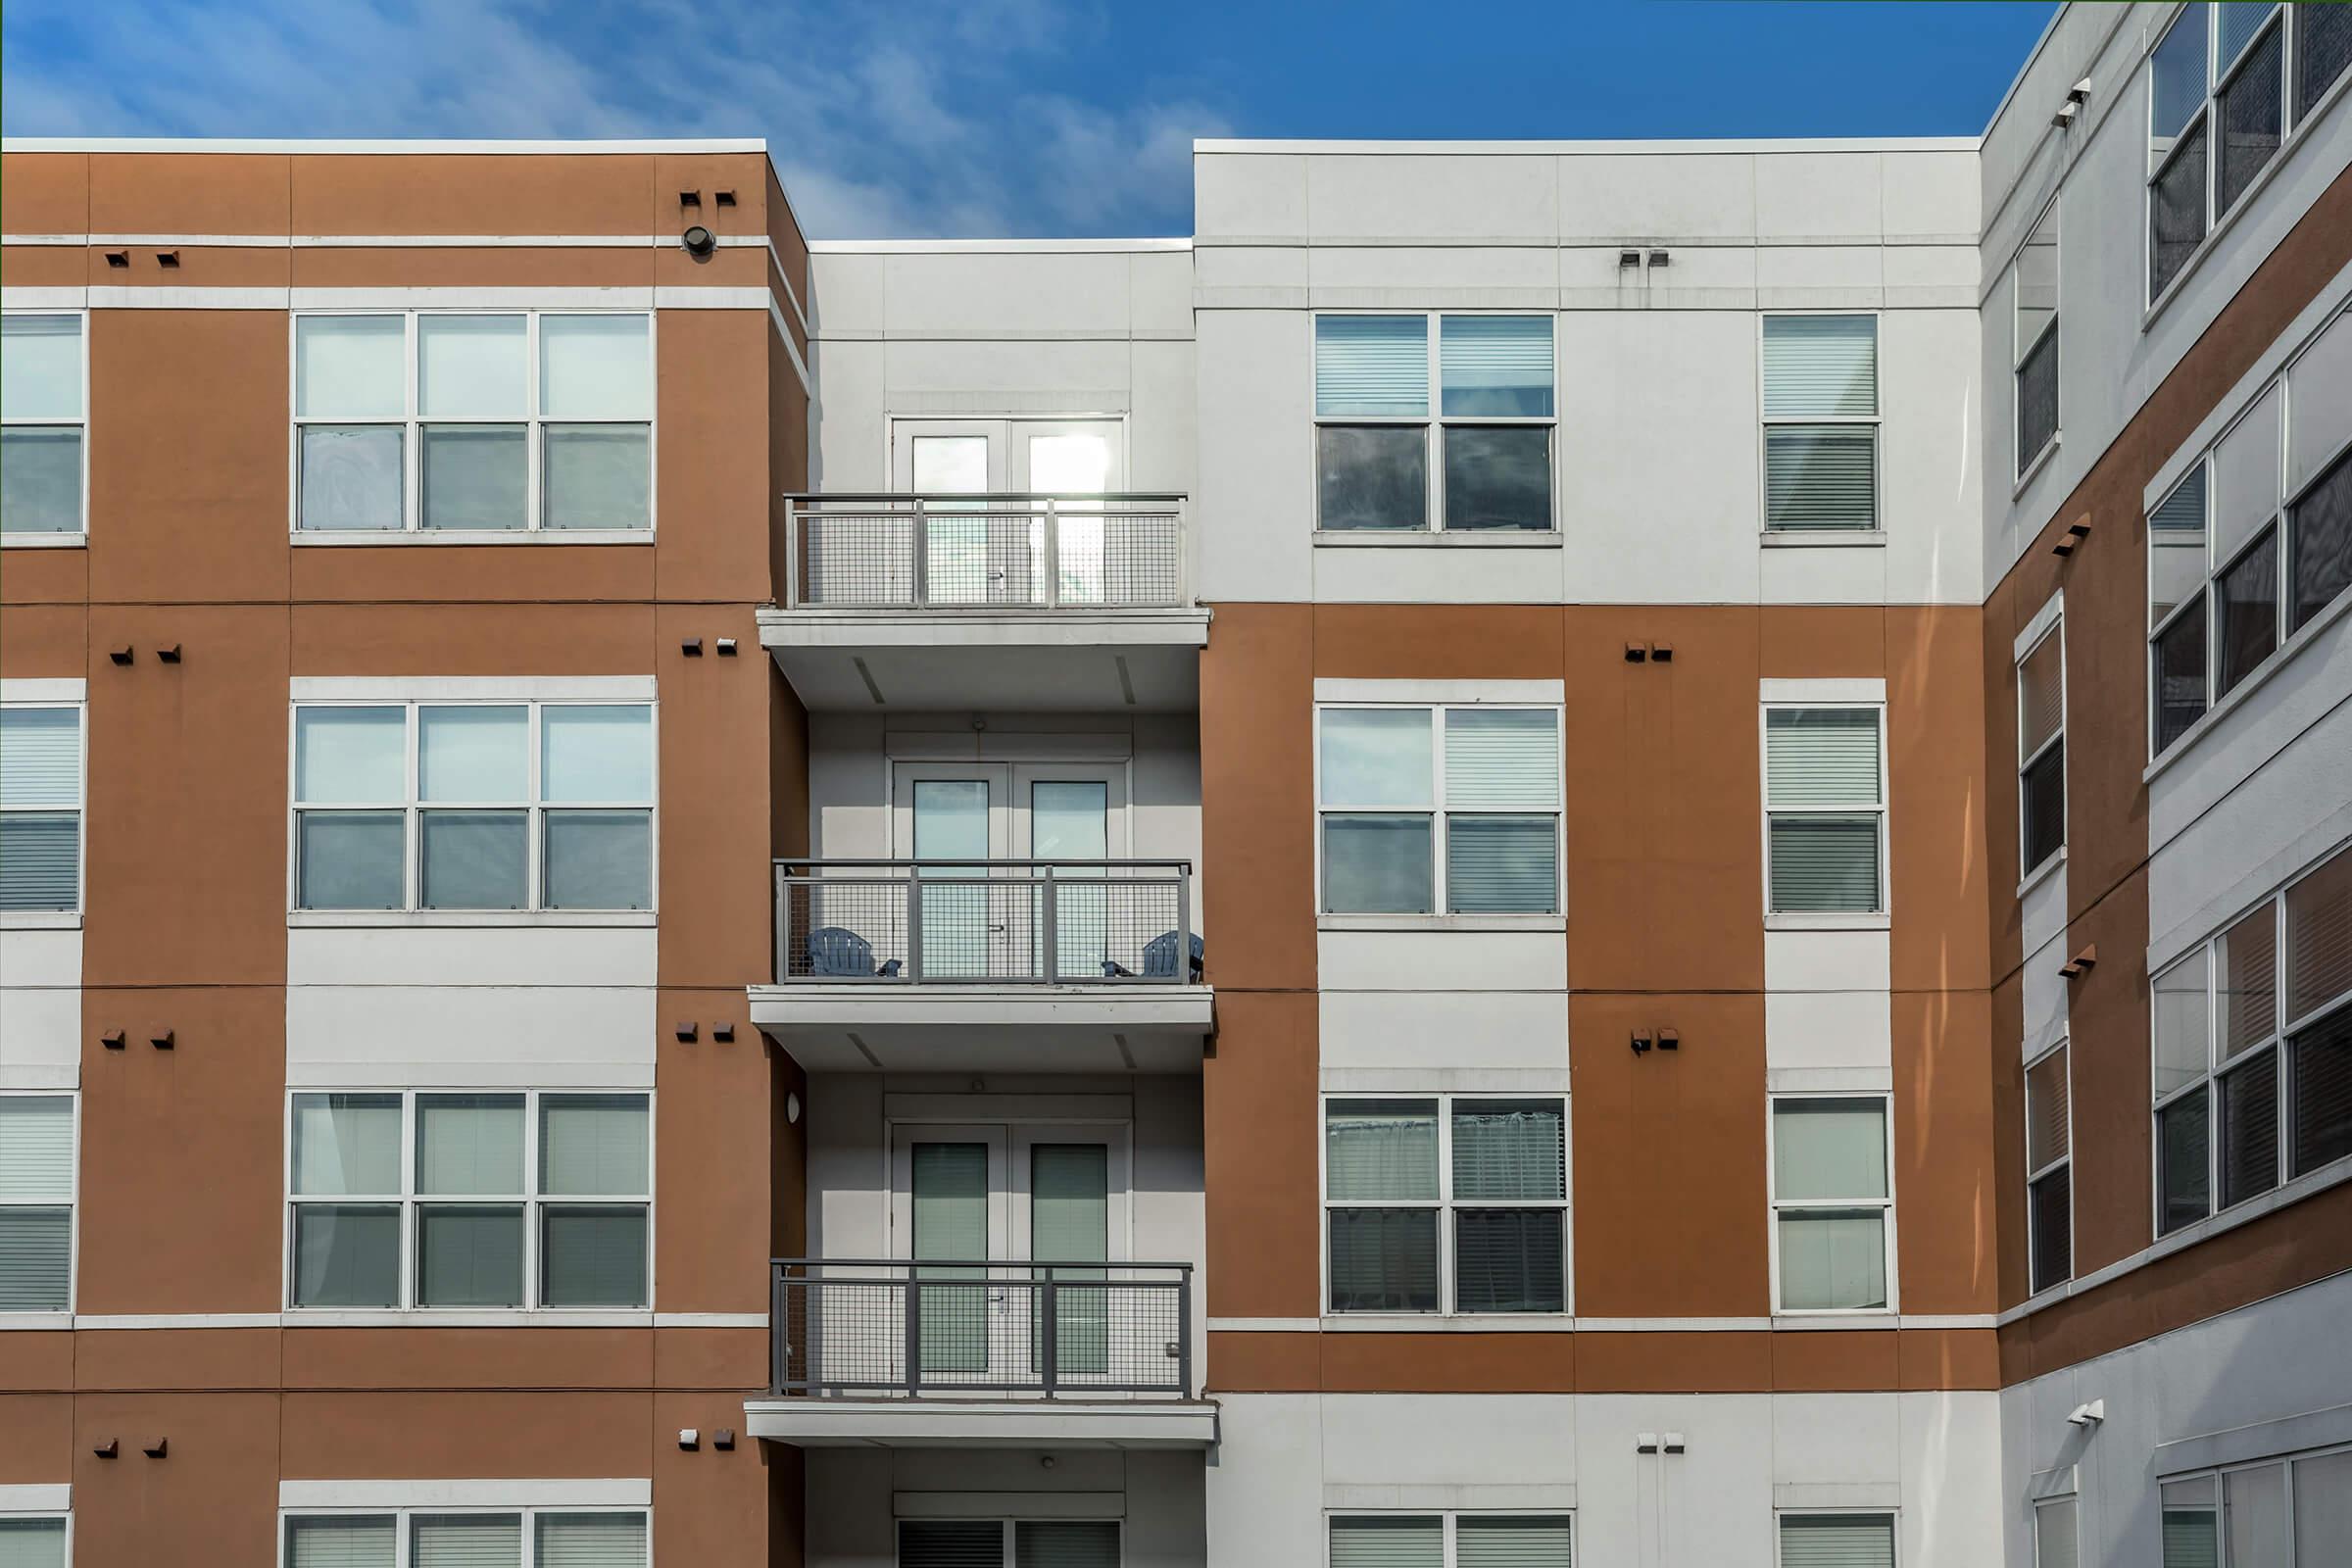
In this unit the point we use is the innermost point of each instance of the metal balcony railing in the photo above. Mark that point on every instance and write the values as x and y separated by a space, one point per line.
876 1327
1036 922
984 552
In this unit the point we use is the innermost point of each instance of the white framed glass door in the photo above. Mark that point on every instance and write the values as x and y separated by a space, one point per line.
957 811
949 1207
1069 1218
998 553
1068 815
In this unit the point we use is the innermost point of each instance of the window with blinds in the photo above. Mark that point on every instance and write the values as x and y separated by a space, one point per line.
2054 1539
1833 1204
1821 422
36 1203
2041 750
1452 808
1836 1541
33 1542
1481 457
42 423
2049 1165
1824 809
1452 1203
2034 338
1478 1541
483 1200
343 1541
535 1538
985 1544
40 807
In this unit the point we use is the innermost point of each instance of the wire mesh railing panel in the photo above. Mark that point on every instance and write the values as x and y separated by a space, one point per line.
992 551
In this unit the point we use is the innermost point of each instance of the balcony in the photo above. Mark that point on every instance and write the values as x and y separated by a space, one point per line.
1011 965
898 1354
1047 603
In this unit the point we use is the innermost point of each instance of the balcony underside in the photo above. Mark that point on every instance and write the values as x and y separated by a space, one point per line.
1047 661
900 1423
863 1026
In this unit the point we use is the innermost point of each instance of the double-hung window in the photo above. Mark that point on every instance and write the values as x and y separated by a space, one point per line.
2033 339
32 1540
2056 1543
1008 1544
2290 1511
40 807
474 805
43 380
1447 1204
1836 1541
1821 422
1482 463
2254 541
1833 1202
469 1538
36 1203
1453 809
1825 801
2049 1171
474 423
469 1199
1453 1540
2273 1079
2041 750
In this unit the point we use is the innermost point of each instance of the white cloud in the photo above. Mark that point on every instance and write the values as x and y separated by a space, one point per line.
917 118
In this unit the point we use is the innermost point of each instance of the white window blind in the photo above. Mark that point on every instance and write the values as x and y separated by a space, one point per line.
593 1144
1066 1543
1820 366
590 1540
1378 1152
950 1543
2322 1508
1495 366
465 1541
1836 1541
2041 700
40 367
33 1543
1823 755
350 366
37 1216
1832 1203
36 1148
469 1144
1824 802
1502 758
2054 1533
474 366
41 808
1372 366
40 757
2046 1092
367 1541
2192 1523
595 368
1388 1541
1511 1540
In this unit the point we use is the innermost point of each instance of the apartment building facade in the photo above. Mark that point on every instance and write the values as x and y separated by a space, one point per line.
1609 853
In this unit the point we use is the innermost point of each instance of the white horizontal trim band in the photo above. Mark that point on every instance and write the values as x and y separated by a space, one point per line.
442 688
1508 149
1331 689
382 241
697 297
1845 689
36 1497
1408 1323
43 689
634 1492
387 1318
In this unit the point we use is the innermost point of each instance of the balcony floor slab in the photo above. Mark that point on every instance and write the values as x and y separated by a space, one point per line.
901 1423
1072 659
862 1027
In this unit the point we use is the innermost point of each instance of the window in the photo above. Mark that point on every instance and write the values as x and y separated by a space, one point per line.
1836 1541
483 1200
2055 1544
1447 1198
2033 339
473 422
1821 422
2220 1031
1489 468
1824 793
1833 1204
1008 1544
474 805
469 1537
2255 540
2049 1172
1451 807
2286 1512
1477 1539
2218 114
2041 748
32 1541
36 1203
40 807
43 377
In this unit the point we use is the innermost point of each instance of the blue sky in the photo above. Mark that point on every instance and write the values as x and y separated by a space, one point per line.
1004 117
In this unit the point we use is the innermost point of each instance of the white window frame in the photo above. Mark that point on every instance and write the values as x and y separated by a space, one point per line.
2204 594
1430 424
2026 462
40 919
56 1316
1878 443
1008 1522
1893 1516
2275 1045
2056 738
408 1200
411 421
2288 1463
1775 1205
1444 1204
2071 1500
2036 1173
1448 1522
404 1515
1439 814
64 1516
80 535
1831 919
413 806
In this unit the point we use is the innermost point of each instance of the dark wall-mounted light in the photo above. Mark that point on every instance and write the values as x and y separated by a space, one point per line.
113 1039
120 656
685 1030
726 648
161 1042
692 648
170 656
699 241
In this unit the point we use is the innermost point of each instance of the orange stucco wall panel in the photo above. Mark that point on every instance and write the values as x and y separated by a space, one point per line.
1258 1135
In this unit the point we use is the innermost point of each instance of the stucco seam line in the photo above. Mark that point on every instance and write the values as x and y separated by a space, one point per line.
1601 1325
